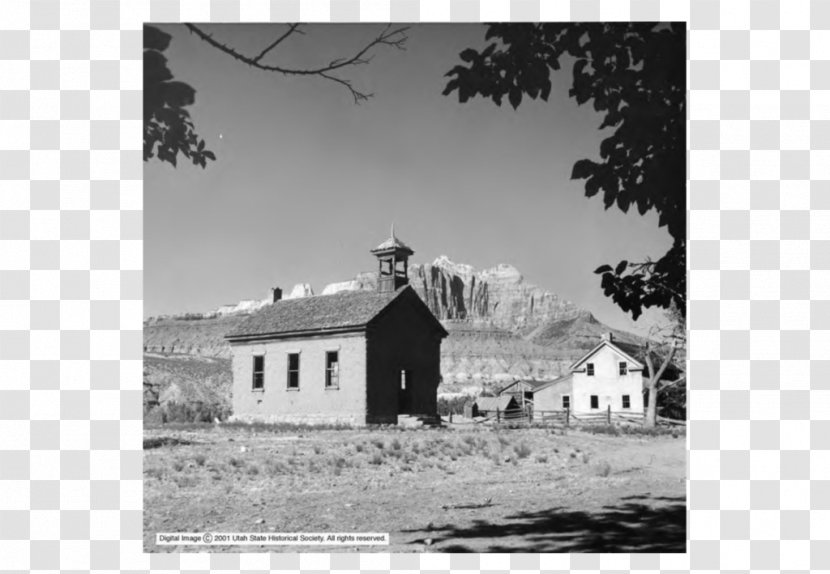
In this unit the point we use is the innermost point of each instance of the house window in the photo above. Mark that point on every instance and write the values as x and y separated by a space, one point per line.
594 401
623 368
294 371
566 401
589 369
403 380
332 370
626 402
259 372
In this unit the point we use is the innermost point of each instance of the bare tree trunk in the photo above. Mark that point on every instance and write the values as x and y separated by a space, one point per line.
651 409
654 380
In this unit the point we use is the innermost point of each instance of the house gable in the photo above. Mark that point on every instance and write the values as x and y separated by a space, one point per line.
634 364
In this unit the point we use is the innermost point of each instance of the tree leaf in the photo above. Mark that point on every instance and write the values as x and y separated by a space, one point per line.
515 97
621 266
603 269
468 55
583 168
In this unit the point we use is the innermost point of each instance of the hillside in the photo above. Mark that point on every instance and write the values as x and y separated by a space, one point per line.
501 328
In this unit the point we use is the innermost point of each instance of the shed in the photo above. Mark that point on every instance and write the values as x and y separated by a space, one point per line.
485 406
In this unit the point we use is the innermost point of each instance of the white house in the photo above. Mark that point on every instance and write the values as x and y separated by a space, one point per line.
606 375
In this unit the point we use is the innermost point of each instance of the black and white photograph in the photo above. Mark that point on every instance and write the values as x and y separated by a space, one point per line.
415 287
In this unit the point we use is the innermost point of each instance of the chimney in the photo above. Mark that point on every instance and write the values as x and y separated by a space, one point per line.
276 294
608 337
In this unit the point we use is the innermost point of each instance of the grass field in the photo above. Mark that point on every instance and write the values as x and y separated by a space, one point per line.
438 490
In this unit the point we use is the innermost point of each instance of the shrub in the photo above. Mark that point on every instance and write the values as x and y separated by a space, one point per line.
376 459
236 463
199 459
541 458
253 470
396 444
522 450
178 465
156 473
604 469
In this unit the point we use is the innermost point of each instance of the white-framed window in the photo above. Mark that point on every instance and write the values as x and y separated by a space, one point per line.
594 401
623 368
566 401
626 402
293 378
258 383
332 370
589 369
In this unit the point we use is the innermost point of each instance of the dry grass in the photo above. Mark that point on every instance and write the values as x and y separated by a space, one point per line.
222 478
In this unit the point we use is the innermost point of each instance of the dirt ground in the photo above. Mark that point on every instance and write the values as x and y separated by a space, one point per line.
437 490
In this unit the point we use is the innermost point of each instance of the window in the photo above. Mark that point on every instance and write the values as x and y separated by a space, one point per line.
259 372
623 368
403 380
566 401
332 370
589 369
626 402
594 401
294 371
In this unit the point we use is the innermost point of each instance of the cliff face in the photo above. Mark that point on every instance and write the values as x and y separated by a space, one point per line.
500 327
499 296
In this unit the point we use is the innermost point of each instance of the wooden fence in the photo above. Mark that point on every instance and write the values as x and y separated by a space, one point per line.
567 418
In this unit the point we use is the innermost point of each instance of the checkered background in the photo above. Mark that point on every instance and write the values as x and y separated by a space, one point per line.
71 283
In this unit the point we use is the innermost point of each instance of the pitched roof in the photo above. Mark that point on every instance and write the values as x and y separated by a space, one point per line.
564 379
533 384
340 311
492 403
625 349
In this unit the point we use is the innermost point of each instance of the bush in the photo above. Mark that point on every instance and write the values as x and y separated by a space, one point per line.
522 450
603 469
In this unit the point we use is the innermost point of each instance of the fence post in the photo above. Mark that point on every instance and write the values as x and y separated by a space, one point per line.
498 415
450 416
609 415
567 416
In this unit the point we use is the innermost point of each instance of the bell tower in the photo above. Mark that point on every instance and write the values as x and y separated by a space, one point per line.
393 266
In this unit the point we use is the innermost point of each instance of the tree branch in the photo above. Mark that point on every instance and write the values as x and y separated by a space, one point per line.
291 29
394 37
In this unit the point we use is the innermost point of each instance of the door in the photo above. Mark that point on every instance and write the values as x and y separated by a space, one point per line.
404 392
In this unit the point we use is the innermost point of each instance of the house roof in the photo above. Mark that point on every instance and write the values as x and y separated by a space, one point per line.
347 310
492 403
534 384
627 350
564 379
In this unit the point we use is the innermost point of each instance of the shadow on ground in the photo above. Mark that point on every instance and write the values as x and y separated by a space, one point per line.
637 524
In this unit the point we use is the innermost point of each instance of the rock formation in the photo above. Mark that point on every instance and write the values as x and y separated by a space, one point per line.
501 327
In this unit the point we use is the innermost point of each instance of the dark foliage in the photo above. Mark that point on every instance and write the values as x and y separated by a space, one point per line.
454 405
635 75
168 129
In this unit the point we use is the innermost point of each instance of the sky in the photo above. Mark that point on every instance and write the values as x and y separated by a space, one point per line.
306 182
